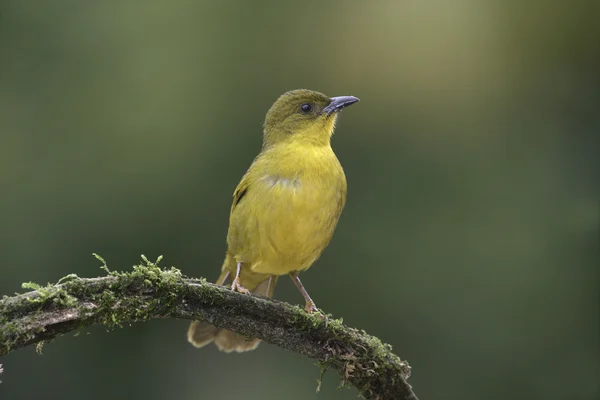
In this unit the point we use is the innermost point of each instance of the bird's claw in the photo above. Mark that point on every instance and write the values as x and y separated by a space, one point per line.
236 286
312 309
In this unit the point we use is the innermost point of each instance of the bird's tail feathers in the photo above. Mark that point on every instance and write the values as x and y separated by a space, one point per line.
201 333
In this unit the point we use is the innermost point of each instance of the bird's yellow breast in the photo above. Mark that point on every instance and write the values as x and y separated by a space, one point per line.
292 198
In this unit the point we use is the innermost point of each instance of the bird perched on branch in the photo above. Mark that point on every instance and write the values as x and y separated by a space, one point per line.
285 208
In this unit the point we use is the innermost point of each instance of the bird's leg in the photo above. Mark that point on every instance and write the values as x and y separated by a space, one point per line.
310 306
236 286
222 281
270 286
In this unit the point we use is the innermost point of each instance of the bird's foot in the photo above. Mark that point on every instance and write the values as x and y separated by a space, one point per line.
236 286
312 309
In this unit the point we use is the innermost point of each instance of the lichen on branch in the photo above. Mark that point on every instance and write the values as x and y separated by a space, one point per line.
149 292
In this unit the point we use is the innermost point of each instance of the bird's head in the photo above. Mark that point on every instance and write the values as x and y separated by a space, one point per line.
303 115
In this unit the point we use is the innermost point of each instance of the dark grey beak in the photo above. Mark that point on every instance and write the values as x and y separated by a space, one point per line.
337 103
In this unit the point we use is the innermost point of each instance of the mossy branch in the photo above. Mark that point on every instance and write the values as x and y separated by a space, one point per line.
151 292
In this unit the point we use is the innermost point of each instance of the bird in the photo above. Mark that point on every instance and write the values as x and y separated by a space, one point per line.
285 208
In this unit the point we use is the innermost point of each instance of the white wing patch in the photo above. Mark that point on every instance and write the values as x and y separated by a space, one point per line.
273 180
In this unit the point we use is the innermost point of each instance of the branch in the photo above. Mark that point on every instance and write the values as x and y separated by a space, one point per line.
148 292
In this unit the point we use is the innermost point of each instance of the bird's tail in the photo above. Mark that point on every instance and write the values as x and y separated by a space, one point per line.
201 333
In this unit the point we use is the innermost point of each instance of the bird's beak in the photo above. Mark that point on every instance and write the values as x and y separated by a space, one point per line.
337 103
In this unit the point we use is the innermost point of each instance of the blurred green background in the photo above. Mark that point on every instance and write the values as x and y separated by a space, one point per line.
470 237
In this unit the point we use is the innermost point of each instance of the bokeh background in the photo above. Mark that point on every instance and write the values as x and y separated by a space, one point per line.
470 237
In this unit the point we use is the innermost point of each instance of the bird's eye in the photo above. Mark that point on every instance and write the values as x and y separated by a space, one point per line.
306 108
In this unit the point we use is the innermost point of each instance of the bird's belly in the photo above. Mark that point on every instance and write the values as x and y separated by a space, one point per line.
284 226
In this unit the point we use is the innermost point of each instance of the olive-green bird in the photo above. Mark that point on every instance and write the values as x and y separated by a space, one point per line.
285 208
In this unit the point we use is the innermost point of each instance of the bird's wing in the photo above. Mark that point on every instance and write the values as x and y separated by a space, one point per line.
343 194
240 191
245 183
242 188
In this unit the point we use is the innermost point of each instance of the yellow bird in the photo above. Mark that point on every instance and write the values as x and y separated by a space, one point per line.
285 208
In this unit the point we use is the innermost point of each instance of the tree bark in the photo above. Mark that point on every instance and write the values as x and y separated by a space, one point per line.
148 292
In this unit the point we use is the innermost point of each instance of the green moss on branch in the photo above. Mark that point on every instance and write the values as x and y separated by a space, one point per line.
148 292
